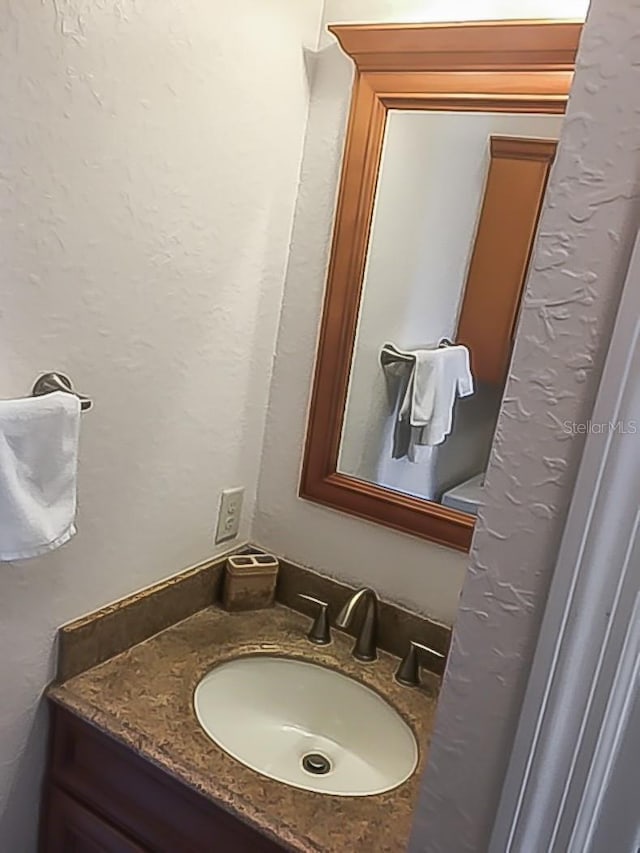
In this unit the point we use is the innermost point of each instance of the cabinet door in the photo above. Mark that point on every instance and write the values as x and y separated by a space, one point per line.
518 173
71 828
162 813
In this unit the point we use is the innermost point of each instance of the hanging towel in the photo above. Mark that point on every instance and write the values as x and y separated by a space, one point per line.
439 376
398 366
38 467
427 382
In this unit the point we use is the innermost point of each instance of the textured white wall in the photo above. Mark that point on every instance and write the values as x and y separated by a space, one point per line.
403 568
424 576
149 157
586 235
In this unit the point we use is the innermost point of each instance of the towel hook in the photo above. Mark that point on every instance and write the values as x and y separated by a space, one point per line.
55 381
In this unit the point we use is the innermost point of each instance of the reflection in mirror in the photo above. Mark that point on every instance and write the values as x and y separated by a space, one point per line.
457 203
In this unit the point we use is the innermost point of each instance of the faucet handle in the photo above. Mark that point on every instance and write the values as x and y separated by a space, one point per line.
320 632
408 673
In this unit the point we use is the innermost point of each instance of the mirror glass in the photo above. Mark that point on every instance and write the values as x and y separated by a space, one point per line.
456 207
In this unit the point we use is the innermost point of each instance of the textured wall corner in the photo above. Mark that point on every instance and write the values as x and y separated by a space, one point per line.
402 568
586 236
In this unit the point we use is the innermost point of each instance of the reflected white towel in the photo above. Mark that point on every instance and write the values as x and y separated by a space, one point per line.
38 468
439 377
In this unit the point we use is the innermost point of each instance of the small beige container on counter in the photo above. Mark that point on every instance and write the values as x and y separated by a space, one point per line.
250 582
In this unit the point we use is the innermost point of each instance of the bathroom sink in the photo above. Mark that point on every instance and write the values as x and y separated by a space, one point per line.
306 725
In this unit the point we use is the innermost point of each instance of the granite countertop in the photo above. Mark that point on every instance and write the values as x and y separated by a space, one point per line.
143 697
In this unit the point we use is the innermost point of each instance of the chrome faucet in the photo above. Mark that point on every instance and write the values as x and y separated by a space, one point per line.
366 639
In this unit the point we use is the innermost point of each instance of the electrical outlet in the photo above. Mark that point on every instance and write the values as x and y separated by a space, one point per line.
229 514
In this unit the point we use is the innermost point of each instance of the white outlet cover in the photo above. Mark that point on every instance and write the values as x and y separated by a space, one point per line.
229 514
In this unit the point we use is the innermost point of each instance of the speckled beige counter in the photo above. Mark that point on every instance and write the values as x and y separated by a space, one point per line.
144 698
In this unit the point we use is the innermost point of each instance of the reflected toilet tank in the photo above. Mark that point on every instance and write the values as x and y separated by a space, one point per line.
466 496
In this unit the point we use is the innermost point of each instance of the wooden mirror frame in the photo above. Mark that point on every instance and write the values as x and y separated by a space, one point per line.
503 66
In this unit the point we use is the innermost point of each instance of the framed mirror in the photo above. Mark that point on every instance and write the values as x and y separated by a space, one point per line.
451 136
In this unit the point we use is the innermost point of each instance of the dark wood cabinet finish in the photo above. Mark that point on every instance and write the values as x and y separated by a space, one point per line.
71 828
101 796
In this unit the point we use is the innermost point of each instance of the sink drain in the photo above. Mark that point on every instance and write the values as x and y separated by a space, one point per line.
316 763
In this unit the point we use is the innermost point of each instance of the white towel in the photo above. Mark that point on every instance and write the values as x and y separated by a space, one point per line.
439 376
38 467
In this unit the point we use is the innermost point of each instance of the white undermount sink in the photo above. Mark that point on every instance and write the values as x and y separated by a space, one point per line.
306 725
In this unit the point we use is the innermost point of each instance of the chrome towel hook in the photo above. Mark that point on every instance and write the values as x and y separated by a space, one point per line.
50 382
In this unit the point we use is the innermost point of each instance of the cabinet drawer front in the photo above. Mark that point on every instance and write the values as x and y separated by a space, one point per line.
71 828
145 802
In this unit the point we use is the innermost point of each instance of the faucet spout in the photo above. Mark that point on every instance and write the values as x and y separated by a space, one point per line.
366 638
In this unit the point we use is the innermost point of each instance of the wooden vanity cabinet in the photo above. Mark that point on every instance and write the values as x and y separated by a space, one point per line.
514 191
76 829
101 797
